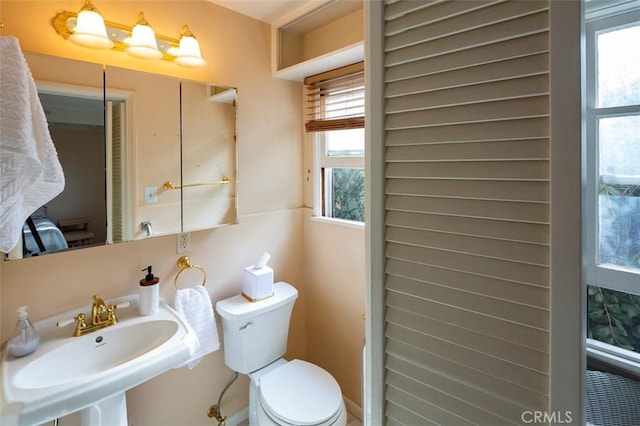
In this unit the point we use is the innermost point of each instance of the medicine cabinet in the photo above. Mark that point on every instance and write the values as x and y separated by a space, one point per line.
143 154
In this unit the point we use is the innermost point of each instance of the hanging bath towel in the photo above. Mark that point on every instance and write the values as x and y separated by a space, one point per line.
30 172
194 305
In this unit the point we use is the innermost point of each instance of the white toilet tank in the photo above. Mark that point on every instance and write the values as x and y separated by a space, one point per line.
255 333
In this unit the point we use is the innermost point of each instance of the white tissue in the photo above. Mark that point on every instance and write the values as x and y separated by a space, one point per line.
263 261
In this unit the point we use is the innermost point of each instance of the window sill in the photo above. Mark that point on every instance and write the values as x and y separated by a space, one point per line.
339 222
619 358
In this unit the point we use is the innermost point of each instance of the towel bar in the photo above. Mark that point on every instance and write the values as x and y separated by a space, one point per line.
184 263
169 185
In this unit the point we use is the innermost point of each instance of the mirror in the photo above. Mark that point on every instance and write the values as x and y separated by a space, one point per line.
152 109
208 155
120 144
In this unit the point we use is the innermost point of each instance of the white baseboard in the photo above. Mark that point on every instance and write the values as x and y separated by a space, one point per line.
353 408
238 418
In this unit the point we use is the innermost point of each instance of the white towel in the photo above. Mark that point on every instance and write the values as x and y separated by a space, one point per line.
194 305
30 172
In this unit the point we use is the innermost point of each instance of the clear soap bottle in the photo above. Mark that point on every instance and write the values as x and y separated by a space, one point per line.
25 338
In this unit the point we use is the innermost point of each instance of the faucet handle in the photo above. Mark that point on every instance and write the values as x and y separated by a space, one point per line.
80 319
122 305
64 323
80 324
111 310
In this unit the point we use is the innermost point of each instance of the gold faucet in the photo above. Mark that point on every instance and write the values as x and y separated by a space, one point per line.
101 316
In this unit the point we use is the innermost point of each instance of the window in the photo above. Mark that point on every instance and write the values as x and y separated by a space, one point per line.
612 196
342 173
335 121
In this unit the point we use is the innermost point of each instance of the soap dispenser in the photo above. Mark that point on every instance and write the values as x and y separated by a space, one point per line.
25 338
149 293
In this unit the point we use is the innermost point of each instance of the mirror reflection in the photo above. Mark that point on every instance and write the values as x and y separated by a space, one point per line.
76 217
120 143
208 155
152 106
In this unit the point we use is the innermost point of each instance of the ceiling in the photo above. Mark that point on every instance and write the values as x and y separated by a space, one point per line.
264 10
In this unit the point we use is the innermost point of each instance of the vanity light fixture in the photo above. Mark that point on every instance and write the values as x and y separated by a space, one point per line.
143 42
189 50
90 30
87 28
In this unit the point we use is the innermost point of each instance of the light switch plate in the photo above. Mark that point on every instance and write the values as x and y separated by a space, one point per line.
150 195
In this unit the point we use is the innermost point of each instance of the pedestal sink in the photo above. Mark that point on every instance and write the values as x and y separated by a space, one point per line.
91 373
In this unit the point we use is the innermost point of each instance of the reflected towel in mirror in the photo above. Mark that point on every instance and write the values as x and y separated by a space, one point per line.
31 172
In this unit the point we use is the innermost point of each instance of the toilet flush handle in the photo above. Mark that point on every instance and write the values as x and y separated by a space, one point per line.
247 325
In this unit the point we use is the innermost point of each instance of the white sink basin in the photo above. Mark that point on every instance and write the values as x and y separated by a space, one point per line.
116 346
66 374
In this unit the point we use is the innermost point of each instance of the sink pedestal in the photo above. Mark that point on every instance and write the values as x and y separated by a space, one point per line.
108 412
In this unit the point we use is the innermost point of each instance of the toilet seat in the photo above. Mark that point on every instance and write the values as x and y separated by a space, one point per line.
300 393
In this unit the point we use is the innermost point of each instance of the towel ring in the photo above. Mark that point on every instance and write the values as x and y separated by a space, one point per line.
184 263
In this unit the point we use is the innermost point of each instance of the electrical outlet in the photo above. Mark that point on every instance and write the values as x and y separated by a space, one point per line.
184 242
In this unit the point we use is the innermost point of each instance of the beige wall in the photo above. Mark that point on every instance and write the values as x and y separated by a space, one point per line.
270 197
335 284
82 152
334 269
336 35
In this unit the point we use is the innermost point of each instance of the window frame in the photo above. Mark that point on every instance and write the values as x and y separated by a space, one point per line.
607 277
614 15
318 92
322 161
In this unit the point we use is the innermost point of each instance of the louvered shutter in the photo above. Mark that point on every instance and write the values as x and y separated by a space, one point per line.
466 211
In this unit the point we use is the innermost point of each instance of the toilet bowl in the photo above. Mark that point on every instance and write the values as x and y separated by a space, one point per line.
282 393
295 393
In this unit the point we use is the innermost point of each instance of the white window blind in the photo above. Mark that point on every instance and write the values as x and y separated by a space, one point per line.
467 211
335 99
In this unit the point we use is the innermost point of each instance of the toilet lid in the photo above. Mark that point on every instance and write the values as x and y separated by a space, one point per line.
300 393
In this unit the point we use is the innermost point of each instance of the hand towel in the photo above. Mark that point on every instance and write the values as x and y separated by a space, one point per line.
31 174
194 305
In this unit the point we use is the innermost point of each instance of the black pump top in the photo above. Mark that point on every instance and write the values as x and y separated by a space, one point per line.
149 279
149 276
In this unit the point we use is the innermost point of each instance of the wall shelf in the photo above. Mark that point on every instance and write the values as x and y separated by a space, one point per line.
323 36
222 95
329 61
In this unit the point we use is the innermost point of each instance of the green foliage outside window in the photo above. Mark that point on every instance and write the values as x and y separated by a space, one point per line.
613 317
348 194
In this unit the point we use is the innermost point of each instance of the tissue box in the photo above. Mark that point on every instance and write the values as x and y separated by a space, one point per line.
257 284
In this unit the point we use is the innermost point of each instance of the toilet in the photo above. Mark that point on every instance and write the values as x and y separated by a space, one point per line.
281 392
